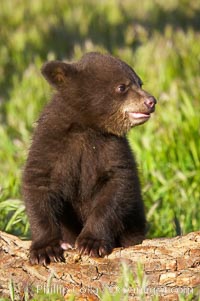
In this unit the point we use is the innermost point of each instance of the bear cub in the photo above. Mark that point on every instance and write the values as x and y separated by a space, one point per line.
80 183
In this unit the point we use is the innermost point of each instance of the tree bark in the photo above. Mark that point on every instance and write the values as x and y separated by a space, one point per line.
170 265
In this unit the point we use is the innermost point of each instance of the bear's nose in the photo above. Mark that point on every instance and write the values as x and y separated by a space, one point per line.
150 102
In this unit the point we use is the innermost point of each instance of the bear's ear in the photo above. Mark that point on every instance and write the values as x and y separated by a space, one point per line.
58 73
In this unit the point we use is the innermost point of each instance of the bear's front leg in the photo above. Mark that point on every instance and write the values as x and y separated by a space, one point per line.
117 216
45 228
104 223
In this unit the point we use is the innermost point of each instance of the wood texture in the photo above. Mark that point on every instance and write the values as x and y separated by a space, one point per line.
171 266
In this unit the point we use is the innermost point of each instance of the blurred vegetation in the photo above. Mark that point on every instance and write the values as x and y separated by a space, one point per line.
160 39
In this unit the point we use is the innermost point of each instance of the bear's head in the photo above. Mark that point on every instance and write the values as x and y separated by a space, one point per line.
104 91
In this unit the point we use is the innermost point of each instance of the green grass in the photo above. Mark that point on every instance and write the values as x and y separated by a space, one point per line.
164 49
160 39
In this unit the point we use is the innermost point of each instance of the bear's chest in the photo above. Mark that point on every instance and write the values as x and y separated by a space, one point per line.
95 159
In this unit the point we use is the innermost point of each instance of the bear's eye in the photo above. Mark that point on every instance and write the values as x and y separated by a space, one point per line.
121 88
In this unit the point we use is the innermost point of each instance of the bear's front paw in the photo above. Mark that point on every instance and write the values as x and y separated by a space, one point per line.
94 247
46 254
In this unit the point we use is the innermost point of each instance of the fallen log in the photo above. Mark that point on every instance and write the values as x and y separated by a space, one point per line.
171 266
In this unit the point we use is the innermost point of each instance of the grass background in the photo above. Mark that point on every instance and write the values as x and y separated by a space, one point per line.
161 40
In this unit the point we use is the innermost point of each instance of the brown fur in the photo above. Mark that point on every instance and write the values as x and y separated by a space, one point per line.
80 182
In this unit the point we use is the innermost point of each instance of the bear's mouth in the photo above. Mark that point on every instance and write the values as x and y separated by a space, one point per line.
136 118
138 115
